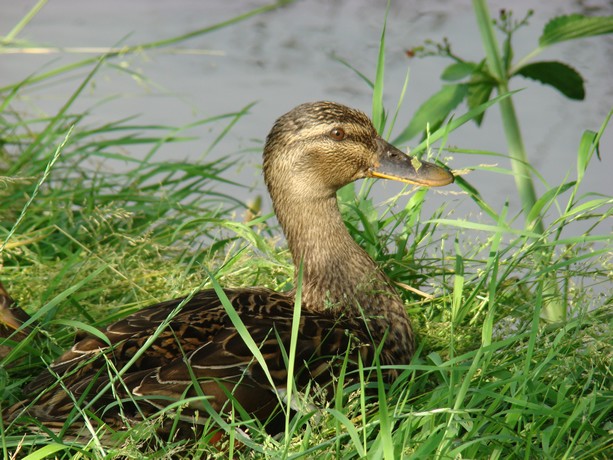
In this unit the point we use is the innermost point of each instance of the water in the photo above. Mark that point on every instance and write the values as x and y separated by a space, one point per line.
286 57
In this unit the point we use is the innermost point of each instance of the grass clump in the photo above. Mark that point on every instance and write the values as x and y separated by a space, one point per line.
83 246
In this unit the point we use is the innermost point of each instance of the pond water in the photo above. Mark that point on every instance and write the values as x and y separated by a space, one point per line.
286 56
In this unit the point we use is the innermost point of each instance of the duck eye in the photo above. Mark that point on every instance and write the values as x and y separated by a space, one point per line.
337 134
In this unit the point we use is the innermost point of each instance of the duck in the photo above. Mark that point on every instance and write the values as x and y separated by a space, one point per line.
193 348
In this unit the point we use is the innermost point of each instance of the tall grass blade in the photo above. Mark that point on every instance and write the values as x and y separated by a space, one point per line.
455 123
242 331
46 451
39 184
291 362
378 111
23 22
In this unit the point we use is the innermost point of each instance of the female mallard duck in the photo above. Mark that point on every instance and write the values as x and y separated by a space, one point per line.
349 307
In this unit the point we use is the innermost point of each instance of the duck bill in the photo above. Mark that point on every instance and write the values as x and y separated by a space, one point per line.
396 165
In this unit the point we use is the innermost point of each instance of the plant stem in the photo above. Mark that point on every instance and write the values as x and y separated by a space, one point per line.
517 151
519 161
553 309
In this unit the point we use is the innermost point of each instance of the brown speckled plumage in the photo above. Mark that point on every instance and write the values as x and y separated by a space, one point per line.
348 304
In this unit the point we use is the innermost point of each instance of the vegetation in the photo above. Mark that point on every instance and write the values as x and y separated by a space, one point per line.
475 82
80 247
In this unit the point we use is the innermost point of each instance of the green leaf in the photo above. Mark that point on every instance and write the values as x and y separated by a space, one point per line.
574 26
79 325
458 70
46 451
479 93
433 111
545 201
242 330
454 124
378 111
350 429
557 74
589 145
586 149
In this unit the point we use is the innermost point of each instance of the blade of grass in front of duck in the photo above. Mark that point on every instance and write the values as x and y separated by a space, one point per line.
492 266
81 326
363 411
453 427
237 322
218 422
522 389
386 423
349 429
46 451
291 359
457 296
148 343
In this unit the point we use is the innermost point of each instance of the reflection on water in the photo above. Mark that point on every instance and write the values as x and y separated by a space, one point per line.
286 57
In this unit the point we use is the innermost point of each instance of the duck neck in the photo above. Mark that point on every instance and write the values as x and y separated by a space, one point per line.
338 276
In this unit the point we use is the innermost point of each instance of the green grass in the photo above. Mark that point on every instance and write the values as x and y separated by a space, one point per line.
81 247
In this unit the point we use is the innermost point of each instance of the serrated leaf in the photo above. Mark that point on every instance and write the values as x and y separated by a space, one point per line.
433 111
557 74
478 94
458 70
574 26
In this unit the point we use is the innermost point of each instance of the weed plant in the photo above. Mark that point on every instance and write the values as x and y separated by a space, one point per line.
81 247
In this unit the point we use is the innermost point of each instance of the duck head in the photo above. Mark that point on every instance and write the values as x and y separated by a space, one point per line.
317 148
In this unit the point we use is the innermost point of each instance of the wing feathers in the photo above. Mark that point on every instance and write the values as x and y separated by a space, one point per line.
200 346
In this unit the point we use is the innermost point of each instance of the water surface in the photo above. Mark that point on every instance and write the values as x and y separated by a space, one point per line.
286 57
